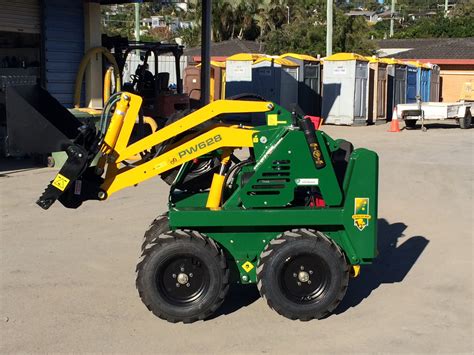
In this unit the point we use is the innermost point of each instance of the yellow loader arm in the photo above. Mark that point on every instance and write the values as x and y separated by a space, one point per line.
114 173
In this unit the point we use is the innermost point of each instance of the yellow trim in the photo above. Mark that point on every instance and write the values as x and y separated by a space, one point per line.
304 57
355 270
116 124
245 57
194 119
108 84
345 56
90 111
413 64
214 63
116 147
215 193
391 61
224 76
82 70
230 137
373 59
279 61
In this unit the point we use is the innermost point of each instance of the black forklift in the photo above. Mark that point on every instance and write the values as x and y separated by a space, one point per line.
160 100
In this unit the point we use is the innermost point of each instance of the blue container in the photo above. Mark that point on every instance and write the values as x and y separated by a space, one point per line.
412 87
424 78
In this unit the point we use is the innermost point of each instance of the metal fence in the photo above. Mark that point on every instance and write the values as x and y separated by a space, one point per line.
166 64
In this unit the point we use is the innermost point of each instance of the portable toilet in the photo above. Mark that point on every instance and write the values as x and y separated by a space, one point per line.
377 91
239 74
345 89
276 80
424 77
434 83
412 82
192 81
422 80
309 82
396 84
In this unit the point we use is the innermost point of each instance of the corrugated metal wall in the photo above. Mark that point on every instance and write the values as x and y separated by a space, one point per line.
20 16
63 43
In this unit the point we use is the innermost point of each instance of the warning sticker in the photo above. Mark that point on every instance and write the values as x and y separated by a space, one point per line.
60 182
247 266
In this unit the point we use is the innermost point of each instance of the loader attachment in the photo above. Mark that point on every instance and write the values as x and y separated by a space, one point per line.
76 181
37 122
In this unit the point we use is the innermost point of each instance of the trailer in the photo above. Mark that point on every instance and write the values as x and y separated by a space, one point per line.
435 111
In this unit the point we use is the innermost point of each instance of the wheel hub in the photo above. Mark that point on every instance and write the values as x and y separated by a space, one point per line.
182 278
303 276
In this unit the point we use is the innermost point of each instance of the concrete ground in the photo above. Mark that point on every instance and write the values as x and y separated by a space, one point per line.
67 276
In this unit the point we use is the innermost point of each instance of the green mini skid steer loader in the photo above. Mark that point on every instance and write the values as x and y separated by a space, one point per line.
280 205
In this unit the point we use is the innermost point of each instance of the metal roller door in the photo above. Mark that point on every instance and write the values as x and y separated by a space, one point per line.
20 16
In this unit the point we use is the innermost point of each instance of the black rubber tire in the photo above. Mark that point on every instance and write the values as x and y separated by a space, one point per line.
174 244
410 124
312 245
466 121
159 226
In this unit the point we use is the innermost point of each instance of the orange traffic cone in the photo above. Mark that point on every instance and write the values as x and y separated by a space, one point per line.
394 126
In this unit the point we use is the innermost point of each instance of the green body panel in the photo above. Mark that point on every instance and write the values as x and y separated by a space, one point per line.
248 221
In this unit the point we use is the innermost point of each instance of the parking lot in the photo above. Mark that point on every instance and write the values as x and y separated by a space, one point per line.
68 282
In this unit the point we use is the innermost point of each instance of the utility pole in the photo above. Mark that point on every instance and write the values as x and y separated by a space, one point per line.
206 29
392 17
329 26
288 17
445 8
137 21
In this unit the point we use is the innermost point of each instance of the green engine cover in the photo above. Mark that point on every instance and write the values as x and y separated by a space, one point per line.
262 201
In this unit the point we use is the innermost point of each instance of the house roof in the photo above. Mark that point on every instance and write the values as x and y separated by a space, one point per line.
361 13
431 48
227 48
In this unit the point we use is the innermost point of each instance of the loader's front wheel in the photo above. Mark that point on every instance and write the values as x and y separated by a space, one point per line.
302 274
183 276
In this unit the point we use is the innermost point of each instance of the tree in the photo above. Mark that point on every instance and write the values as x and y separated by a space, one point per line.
306 33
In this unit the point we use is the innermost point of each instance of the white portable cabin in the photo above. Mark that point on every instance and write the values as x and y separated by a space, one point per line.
239 74
345 84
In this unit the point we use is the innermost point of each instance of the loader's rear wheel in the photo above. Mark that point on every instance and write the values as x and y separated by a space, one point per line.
183 276
302 274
